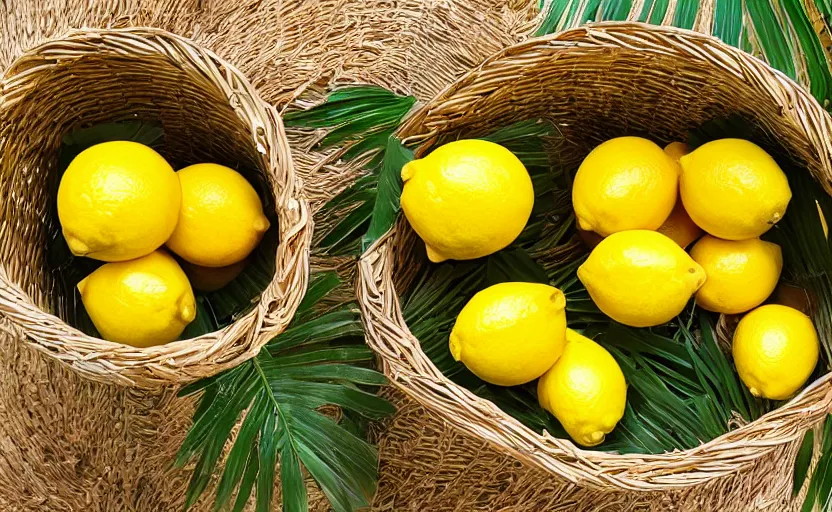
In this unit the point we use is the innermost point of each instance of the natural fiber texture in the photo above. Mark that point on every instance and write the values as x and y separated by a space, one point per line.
209 113
70 444
595 83
427 464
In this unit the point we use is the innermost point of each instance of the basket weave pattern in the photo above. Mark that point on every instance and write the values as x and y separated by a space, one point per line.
595 83
209 112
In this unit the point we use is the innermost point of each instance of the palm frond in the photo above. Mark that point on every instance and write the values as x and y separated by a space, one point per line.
791 36
277 396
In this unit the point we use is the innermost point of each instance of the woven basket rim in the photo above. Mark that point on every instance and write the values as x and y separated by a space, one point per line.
178 362
413 373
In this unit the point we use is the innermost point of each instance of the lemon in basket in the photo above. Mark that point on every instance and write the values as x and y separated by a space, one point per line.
467 199
211 279
623 184
640 278
679 226
733 189
510 333
585 390
221 220
741 273
775 351
118 201
142 302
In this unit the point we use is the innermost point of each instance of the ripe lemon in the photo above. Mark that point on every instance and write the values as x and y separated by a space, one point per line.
210 279
775 350
625 183
467 199
679 226
640 278
741 273
118 201
143 302
510 333
585 390
733 189
676 150
221 220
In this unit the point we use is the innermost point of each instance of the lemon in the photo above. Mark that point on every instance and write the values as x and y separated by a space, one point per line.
143 302
733 189
676 150
640 278
210 279
221 220
741 273
585 390
510 333
679 226
118 201
775 351
625 183
467 199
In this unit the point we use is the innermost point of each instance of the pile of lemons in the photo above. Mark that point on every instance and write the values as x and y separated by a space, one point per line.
639 207
120 202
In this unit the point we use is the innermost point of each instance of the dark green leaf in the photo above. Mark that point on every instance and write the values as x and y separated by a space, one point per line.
803 461
386 208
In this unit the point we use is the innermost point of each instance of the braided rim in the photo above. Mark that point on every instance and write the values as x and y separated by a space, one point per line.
412 372
185 361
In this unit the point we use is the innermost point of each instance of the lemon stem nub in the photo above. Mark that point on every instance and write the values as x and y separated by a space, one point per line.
77 247
81 285
434 256
409 170
187 313
261 225
455 346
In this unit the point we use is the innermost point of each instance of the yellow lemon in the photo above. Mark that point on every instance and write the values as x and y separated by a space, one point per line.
741 273
585 390
118 201
775 351
625 183
733 189
676 150
143 302
221 220
510 333
640 278
467 199
679 226
210 279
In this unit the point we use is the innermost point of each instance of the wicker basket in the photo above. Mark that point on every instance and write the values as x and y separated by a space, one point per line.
85 423
598 82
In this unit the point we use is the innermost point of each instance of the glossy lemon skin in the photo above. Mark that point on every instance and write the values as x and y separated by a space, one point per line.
510 333
118 201
733 189
221 220
741 273
640 278
143 302
585 390
775 351
624 184
467 199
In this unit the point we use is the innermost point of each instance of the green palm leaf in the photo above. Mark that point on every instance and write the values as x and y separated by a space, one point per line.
319 361
787 34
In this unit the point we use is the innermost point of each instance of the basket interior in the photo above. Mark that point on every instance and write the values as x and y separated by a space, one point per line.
199 125
590 95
